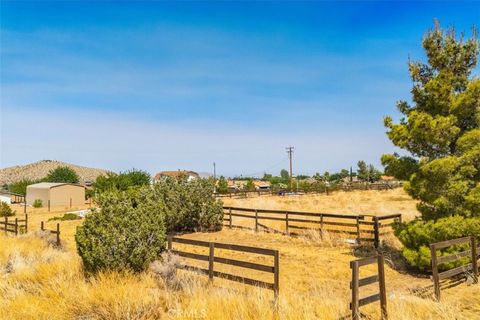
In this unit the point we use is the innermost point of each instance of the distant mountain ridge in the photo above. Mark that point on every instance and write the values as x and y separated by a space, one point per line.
40 169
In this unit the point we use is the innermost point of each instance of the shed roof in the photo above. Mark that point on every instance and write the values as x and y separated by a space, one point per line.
49 185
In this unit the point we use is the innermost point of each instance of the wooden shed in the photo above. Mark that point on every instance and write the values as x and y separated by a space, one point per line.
59 194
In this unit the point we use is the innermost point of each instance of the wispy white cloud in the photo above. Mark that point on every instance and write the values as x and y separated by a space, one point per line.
116 142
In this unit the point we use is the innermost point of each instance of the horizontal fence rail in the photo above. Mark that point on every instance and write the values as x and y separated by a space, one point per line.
364 228
436 260
55 232
313 190
15 226
358 282
212 260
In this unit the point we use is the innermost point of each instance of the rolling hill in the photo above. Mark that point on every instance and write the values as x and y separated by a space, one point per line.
40 169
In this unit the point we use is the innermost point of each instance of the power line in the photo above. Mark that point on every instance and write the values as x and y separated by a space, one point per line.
290 156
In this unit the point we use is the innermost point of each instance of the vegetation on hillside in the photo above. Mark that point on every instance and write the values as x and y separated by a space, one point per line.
441 131
59 174
62 174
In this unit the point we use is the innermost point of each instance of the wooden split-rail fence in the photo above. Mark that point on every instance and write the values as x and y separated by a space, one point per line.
212 258
363 228
358 282
56 232
14 225
471 254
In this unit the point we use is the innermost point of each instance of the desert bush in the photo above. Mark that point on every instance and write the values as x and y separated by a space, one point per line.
66 217
418 234
189 205
166 269
37 203
20 187
222 185
62 174
126 234
122 181
5 210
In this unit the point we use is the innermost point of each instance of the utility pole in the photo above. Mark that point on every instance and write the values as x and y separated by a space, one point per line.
214 172
290 153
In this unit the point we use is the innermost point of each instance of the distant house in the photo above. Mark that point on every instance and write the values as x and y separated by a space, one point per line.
176 174
57 194
262 185
236 185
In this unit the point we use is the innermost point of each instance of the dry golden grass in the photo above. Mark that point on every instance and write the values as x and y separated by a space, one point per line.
356 202
40 282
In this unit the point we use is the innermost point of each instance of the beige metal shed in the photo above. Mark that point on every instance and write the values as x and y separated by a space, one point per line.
59 194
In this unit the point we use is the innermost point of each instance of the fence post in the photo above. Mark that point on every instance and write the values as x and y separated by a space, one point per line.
473 245
321 226
16 226
376 233
6 225
58 234
256 220
48 205
381 283
211 258
169 243
358 230
230 214
436 280
276 282
42 226
26 223
286 223
25 206
355 277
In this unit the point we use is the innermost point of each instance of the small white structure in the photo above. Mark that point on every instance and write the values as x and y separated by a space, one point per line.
5 198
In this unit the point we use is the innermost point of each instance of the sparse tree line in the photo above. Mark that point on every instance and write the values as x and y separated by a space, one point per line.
59 174
317 182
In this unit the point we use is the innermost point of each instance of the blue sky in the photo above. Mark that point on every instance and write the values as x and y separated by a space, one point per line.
157 85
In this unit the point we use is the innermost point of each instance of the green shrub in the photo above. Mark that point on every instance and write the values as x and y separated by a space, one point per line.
62 174
5 210
66 217
190 206
222 185
122 181
126 234
20 187
417 235
37 203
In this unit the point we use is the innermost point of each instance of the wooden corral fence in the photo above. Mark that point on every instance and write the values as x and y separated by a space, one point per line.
436 260
358 282
315 190
364 228
212 259
55 232
15 226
